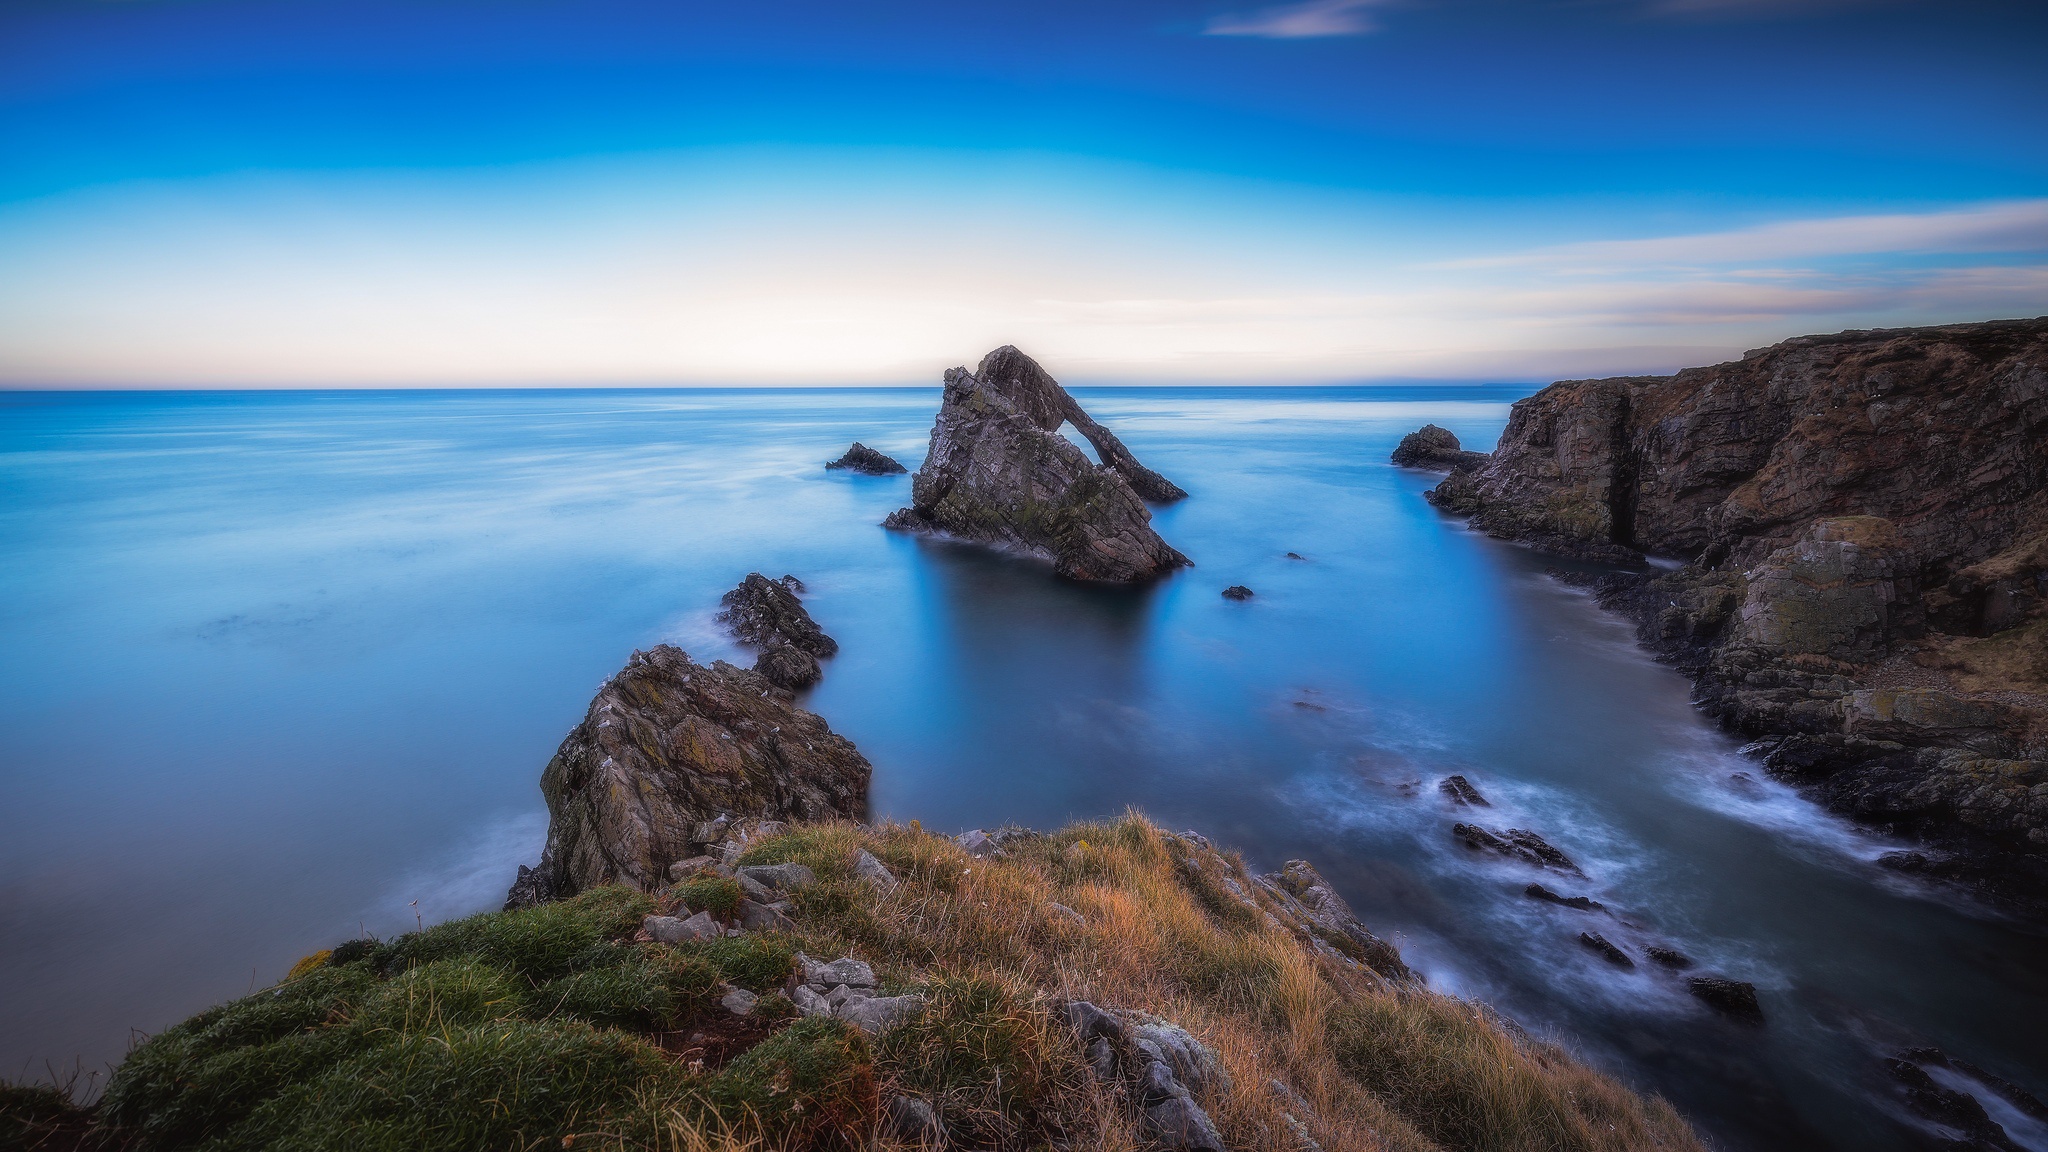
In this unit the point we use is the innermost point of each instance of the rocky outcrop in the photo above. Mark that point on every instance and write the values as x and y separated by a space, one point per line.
1864 523
1437 450
999 472
669 748
863 459
767 615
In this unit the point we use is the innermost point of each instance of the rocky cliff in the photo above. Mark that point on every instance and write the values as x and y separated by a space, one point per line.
1863 519
999 472
668 746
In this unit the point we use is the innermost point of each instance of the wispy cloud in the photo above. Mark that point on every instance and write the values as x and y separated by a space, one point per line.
1753 8
1298 21
2013 226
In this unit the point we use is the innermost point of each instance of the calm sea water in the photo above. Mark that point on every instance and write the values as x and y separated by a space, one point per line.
281 667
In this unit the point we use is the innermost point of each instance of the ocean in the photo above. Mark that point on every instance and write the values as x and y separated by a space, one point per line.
281 668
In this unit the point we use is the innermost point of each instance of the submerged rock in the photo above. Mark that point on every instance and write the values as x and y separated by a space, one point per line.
1237 592
999 472
1436 449
1736 998
1670 957
1582 903
1461 791
670 746
1607 949
861 458
1517 843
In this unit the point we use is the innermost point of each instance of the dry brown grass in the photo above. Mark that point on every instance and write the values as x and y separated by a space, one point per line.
1369 1065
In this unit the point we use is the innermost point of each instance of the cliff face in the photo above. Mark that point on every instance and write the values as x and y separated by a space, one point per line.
668 745
999 472
1938 430
1865 520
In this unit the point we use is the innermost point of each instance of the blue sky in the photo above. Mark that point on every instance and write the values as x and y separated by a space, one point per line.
275 192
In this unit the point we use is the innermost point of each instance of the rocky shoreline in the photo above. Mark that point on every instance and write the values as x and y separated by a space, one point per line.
1862 521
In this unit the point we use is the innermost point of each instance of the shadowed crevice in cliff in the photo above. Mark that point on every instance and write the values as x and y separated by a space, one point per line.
1865 517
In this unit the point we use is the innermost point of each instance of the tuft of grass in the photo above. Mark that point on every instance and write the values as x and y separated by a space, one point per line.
811 1085
760 963
718 895
1467 1083
511 1084
537 943
987 1056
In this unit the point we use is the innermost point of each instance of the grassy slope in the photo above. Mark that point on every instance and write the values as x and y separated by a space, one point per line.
550 1028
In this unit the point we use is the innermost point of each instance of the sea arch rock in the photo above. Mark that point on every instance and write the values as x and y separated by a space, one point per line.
999 472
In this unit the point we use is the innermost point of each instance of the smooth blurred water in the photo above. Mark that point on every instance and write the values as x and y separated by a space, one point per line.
279 667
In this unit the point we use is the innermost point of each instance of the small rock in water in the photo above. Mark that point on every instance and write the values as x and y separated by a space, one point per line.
1737 998
1582 903
763 611
1516 842
1670 957
1461 790
861 458
1436 449
1606 948
1296 556
1237 592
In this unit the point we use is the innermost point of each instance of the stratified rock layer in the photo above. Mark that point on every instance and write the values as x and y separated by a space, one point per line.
1865 517
999 472
669 744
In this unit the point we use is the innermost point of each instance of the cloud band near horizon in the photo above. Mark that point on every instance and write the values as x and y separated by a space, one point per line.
719 268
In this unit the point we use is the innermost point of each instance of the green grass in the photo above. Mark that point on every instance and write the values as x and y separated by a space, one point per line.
718 895
551 1027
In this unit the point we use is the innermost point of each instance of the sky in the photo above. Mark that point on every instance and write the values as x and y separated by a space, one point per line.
382 193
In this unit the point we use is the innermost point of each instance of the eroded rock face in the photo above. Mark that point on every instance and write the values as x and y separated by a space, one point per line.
1436 449
1938 430
1829 593
999 472
668 746
1865 517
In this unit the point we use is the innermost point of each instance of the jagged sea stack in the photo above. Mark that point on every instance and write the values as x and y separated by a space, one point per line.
999 472
667 745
